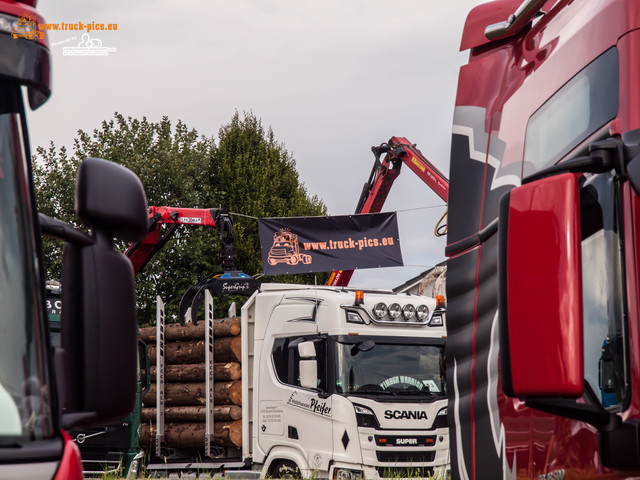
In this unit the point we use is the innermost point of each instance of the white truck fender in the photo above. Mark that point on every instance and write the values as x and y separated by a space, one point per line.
286 453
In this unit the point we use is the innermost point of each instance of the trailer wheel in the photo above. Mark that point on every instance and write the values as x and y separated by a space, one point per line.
285 469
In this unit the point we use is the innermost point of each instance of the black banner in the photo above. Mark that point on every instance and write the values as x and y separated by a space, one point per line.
324 244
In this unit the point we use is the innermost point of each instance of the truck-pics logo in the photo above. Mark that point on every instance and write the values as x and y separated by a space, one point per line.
312 404
285 249
322 244
26 27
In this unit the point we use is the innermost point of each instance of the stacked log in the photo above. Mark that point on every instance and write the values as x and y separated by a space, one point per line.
184 375
191 435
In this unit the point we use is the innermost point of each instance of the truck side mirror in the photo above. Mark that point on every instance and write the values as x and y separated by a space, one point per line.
99 327
540 289
633 171
362 347
308 365
111 199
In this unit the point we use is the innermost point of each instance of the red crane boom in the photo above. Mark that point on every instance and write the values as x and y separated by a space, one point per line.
397 150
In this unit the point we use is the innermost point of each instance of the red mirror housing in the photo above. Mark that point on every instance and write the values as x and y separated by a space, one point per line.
540 289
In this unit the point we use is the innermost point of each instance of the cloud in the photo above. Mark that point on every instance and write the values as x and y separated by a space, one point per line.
332 78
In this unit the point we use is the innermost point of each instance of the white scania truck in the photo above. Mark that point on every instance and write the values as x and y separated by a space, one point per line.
345 386
339 384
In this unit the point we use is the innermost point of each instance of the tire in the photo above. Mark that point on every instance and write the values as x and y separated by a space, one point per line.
292 260
285 469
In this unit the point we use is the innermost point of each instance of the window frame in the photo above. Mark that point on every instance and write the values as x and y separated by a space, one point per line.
597 72
616 320
293 360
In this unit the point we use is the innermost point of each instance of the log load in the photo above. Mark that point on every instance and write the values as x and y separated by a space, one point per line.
191 435
195 372
226 327
191 394
193 414
184 383
225 349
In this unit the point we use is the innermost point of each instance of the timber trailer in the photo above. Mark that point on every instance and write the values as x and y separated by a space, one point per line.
543 285
93 374
336 383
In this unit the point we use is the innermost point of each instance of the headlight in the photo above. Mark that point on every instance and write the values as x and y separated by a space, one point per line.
379 310
408 311
354 317
394 310
365 417
441 419
347 474
436 321
422 312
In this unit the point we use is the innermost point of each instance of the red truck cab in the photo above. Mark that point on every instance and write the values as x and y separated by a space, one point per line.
42 389
543 348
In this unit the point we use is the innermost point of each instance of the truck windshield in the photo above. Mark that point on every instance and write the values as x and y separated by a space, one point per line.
25 396
390 369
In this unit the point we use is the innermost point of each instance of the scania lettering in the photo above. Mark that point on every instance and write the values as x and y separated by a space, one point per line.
418 415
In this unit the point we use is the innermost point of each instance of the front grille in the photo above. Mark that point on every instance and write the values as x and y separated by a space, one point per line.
405 440
405 472
405 457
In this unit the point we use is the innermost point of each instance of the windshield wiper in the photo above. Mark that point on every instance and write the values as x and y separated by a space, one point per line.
374 392
421 393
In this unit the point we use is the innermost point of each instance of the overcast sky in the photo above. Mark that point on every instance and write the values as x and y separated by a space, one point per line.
331 77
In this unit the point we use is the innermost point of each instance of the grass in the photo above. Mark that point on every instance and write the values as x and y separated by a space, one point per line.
111 476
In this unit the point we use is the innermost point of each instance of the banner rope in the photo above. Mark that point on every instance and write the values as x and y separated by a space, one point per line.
397 211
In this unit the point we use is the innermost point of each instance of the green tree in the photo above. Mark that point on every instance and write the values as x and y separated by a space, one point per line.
178 167
257 177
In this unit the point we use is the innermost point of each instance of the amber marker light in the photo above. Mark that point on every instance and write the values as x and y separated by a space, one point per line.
359 297
440 303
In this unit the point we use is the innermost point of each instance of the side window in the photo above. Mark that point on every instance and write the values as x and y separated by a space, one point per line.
583 105
605 328
280 357
286 360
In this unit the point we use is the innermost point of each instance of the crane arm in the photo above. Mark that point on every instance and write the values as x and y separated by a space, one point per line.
402 149
397 151
229 282
140 253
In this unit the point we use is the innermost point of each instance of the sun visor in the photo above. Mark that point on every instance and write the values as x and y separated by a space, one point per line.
27 62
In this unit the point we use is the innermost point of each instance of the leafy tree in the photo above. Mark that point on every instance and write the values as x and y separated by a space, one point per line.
257 177
178 167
